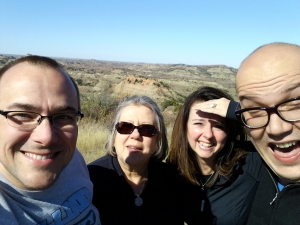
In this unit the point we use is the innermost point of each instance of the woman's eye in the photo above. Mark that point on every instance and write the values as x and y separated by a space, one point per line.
198 124
220 127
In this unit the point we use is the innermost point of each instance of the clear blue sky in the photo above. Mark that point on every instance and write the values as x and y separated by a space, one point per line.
195 32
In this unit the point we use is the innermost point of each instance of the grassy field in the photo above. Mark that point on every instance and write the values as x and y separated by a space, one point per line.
91 139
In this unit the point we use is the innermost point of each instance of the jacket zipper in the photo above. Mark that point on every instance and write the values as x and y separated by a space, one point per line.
277 191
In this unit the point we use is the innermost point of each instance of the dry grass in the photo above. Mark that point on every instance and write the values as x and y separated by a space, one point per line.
91 139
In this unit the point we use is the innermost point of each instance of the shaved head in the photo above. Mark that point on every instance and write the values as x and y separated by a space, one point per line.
269 76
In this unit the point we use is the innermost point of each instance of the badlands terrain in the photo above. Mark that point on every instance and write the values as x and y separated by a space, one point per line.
161 82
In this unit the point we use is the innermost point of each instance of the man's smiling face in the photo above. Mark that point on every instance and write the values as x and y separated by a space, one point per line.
33 160
268 77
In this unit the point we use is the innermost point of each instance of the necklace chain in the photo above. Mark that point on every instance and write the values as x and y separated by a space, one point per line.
203 185
138 200
137 195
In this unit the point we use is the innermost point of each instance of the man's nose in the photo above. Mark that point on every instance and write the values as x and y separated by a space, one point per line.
44 133
278 126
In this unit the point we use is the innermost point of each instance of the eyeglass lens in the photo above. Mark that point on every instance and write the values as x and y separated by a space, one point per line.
288 111
146 130
28 120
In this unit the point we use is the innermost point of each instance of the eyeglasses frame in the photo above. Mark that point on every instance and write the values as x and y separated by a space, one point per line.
41 118
269 110
137 127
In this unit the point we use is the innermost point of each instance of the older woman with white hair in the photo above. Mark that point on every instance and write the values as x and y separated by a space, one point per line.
131 183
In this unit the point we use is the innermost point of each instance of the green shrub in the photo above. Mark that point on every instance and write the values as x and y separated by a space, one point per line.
99 107
177 103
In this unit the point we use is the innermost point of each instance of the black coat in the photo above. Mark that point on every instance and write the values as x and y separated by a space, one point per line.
114 197
273 207
229 200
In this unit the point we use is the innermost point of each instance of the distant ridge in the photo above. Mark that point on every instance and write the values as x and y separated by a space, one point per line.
95 76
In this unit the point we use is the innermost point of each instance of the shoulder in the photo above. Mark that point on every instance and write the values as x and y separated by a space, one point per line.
231 110
163 167
75 168
157 167
103 161
253 164
100 165
253 159
101 168
77 159
165 172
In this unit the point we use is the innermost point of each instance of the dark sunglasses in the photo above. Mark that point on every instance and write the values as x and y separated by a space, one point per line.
146 130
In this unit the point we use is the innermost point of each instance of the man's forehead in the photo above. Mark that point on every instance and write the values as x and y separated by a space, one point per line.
26 83
272 69
24 70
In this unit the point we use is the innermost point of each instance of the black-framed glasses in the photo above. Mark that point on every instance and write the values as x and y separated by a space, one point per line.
259 117
27 121
146 130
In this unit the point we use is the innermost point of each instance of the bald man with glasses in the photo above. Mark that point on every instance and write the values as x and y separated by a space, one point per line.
268 87
43 178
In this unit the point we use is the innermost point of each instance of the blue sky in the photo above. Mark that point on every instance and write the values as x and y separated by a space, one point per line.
194 32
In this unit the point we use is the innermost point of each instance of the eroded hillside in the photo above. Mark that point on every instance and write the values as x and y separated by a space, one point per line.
159 81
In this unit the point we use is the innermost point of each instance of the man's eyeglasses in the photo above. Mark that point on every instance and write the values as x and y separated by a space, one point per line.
27 121
146 130
259 117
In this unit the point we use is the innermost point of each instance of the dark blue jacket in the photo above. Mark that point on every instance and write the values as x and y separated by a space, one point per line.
229 200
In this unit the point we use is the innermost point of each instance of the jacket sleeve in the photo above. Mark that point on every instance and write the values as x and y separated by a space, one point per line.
231 110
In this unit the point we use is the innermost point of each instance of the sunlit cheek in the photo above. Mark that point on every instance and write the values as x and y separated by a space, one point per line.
69 137
120 138
255 134
152 143
194 131
117 142
221 137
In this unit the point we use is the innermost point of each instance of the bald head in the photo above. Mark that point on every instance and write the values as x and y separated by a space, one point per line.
275 44
267 66
270 76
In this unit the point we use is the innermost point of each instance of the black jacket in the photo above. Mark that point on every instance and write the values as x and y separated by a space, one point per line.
114 197
273 207
228 201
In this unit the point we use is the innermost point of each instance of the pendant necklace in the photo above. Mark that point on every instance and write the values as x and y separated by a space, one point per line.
138 200
203 185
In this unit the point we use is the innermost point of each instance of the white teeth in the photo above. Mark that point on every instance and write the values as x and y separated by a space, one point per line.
285 145
133 148
206 144
39 157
